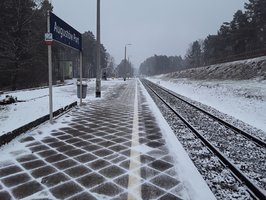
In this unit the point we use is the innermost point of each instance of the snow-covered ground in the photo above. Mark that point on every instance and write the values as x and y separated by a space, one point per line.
36 103
244 100
193 182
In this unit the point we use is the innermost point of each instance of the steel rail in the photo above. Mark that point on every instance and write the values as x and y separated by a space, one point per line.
254 191
256 140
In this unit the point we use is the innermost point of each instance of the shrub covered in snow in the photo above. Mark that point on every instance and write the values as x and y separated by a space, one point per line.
8 100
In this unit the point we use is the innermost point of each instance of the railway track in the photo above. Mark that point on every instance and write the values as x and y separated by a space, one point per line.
241 154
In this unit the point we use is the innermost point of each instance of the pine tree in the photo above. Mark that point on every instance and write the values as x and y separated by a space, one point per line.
22 53
256 12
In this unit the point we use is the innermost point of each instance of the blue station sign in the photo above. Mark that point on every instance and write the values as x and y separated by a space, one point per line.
64 33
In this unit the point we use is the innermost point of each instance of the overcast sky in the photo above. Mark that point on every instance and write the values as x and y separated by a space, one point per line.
162 27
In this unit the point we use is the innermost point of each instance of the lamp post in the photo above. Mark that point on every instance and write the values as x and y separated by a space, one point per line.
98 72
125 60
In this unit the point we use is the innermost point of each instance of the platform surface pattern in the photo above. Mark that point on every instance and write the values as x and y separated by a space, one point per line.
107 149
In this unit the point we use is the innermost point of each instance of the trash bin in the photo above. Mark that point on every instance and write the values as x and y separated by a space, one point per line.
84 89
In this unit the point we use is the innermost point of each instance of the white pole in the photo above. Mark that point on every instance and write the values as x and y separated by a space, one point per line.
50 71
80 81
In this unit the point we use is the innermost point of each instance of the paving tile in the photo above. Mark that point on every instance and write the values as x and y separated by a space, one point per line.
154 137
15 180
91 148
54 179
56 144
165 181
74 152
100 134
49 140
27 139
92 125
80 129
55 158
65 164
83 196
85 158
149 191
145 159
64 137
123 196
178 190
98 164
171 172
108 189
106 143
169 196
39 148
77 171
118 159
9 170
112 171
91 180
125 164
126 153
57 133
127 144
82 144
119 140
87 137
109 136
120 133
65 190
122 181
65 148
42 171
148 173
5 195
27 158
26 189
143 140
73 140
96 140
154 144
103 152
47 153
66 129
164 149
33 144
168 159
157 153
16 153
118 148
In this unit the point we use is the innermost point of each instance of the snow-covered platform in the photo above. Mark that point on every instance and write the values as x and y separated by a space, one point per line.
116 147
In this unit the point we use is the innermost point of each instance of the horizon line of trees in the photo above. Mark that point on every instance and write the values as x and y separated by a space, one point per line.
243 37
124 69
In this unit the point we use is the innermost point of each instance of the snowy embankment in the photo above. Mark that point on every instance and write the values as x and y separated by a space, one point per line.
238 70
36 104
241 98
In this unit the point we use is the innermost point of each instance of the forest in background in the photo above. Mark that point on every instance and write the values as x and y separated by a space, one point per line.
243 37
23 54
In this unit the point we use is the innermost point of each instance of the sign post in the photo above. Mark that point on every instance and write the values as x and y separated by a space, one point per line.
80 82
63 33
48 40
